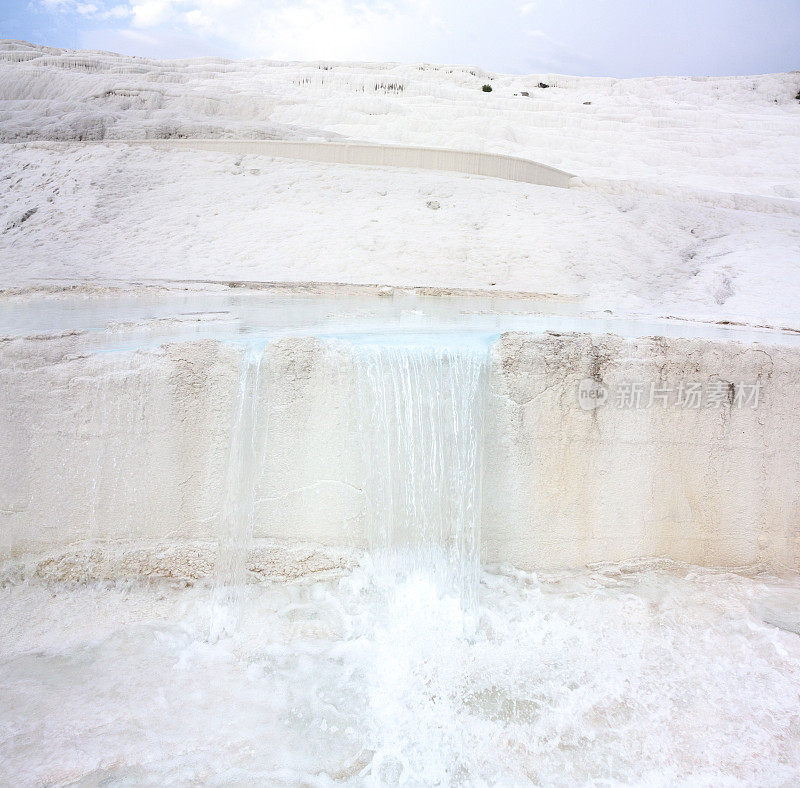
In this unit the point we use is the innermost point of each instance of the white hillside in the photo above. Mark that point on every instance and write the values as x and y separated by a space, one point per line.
690 204
738 133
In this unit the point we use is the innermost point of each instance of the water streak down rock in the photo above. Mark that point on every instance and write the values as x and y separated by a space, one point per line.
245 464
421 406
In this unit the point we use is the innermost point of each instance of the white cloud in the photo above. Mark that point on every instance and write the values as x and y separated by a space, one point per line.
57 5
331 29
198 20
611 37
549 54
151 12
86 10
404 30
284 29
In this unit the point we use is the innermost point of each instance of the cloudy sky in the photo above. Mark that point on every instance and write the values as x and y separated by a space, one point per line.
588 37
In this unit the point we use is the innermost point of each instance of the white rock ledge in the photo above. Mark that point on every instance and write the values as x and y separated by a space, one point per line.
129 448
491 165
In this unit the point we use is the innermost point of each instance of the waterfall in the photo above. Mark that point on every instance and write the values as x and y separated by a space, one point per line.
245 461
421 404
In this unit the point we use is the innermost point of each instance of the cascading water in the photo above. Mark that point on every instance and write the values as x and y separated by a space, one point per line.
245 463
334 681
421 402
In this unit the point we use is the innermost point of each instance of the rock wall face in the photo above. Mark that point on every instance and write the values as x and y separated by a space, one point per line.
712 480
491 165
127 451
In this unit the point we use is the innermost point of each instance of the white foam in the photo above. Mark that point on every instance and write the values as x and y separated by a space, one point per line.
651 675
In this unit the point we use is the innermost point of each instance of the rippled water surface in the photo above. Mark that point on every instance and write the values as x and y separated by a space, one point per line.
141 317
656 674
